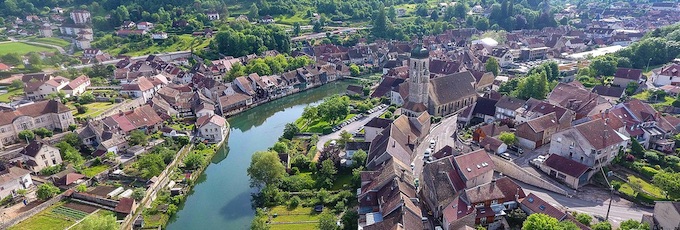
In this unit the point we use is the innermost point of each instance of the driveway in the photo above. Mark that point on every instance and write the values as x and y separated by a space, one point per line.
621 209
352 127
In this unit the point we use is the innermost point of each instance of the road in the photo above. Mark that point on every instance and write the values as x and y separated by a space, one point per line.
443 134
621 209
323 34
352 127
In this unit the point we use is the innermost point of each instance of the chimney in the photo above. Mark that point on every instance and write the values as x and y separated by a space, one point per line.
493 183
403 174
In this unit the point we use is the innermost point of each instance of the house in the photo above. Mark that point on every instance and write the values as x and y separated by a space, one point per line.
623 76
534 204
666 215
665 6
159 36
398 140
83 43
76 86
13 179
92 53
610 93
387 198
537 132
80 16
68 180
492 199
142 87
483 80
578 99
565 170
213 128
4 67
144 26
488 130
493 145
142 118
267 19
49 114
594 143
508 107
213 15
128 25
38 155
46 31
374 127
355 90
668 75
503 55
37 90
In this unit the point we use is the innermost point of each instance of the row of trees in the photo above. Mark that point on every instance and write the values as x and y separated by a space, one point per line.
268 65
242 39
537 84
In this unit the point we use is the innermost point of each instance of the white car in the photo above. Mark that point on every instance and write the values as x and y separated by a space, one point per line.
432 143
428 151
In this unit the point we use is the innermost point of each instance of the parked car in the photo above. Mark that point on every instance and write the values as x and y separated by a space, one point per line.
516 149
432 143
427 154
504 156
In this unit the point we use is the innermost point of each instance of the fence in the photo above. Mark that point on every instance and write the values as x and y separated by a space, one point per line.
163 179
25 215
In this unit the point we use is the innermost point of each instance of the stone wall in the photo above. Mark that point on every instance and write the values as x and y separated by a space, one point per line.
25 215
518 173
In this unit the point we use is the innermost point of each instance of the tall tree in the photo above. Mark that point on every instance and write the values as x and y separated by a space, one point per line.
492 66
380 24
540 221
253 12
327 221
265 169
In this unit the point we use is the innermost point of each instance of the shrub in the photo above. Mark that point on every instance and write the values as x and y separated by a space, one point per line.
616 185
294 202
644 198
648 172
652 156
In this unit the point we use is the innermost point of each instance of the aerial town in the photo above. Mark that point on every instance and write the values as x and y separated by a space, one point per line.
330 115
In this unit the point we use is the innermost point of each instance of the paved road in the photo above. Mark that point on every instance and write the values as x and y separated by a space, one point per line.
352 127
621 209
443 134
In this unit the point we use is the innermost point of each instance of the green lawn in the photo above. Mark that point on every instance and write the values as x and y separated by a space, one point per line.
341 180
11 93
299 17
52 41
318 125
646 186
100 212
182 127
45 220
94 170
22 48
305 226
94 109
184 43
297 218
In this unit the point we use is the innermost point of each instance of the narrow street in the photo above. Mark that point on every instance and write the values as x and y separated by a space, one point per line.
443 134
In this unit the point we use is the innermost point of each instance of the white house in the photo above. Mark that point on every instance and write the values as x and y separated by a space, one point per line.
669 75
38 155
213 128
49 114
213 15
144 26
13 179
142 87
159 36
40 90
76 86
503 55
80 16
594 143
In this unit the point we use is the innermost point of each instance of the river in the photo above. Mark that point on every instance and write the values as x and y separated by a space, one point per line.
221 197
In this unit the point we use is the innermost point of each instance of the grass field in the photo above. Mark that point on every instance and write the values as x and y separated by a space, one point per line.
94 170
342 180
22 48
11 93
101 212
94 109
184 43
318 125
300 218
52 41
45 220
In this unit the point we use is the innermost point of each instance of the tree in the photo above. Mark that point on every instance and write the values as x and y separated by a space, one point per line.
669 182
138 137
482 24
280 147
344 137
492 66
327 173
349 219
81 188
290 131
539 221
604 66
380 25
636 148
533 86
72 127
100 222
567 225
297 29
631 88
584 218
326 221
516 217
260 221
69 153
17 84
508 138
193 161
43 132
265 169
354 70
633 225
434 15
86 98
138 194
47 191
26 135
254 12
359 158
421 10
602 226
72 139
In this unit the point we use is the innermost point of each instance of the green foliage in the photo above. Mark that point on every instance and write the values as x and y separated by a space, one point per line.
43 132
252 39
86 98
17 84
567 225
633 225
604 65
69 153
359 158
72 139
290 131
631 88
636 148
533 86
652 156
584 218
349 219
539 221
51 170
280 147
327 221
26 135
508 138
354 70
193 161
138 194
602 226
265 169
334 108
100 222
81 188
326 175
516 217
669 182
492 66
47 191
260 221
138 137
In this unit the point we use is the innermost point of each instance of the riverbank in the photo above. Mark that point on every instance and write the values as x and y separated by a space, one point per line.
221 198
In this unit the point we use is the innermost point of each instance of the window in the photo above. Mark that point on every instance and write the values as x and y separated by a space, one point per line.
581 159
43 157
571 154
571 146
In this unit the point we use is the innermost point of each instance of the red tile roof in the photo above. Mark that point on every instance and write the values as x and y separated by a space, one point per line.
537 205
474 164
566 165
125 205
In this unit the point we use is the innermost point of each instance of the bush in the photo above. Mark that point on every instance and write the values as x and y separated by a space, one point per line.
652 156
327 130
648 172
48 171
644 198
294 202
616 185
630 158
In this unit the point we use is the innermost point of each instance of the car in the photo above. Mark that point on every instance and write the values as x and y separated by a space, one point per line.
541 157
432 143
413 166
428 151
504 156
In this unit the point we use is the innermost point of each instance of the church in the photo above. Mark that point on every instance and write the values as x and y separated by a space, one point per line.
439 96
